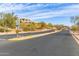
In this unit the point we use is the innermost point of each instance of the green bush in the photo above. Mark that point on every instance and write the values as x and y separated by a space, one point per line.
17 31
74 28
25 29
2 30
7 30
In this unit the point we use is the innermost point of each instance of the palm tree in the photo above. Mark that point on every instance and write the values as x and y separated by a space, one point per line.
75 19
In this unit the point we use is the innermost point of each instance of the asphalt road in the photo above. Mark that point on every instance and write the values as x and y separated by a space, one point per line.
58 44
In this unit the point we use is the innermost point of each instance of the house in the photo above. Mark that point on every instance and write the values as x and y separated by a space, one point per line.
27 21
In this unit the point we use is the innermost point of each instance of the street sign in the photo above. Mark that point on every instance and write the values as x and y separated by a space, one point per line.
18 22
17 27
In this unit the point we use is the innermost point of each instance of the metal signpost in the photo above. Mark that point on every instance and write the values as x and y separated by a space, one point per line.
17 27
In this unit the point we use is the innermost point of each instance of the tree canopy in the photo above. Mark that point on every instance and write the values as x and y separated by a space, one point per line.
8 20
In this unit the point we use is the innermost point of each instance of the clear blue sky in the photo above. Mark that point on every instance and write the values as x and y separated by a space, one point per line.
56 13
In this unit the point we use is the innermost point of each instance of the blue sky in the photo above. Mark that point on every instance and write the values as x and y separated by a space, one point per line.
56 13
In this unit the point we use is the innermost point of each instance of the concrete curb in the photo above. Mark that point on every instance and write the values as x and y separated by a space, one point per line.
31 36
75 37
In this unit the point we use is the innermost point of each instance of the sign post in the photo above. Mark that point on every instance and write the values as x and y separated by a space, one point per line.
17 27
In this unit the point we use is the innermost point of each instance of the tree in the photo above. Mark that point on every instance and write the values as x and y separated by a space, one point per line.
50 25
75 20
8 20
32 26
2 23
43 25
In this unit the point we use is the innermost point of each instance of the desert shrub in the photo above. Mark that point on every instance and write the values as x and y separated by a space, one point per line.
17 31
74 28
2 30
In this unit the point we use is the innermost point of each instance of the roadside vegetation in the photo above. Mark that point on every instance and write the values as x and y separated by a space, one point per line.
8 23
75 26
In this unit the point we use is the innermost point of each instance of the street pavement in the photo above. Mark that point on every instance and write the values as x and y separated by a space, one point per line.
57 44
